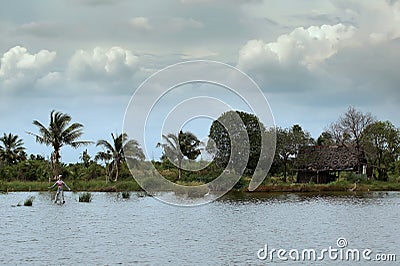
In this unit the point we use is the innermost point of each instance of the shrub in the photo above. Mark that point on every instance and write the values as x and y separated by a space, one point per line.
128 185
125 195
85 197
352 177
29 201
240 184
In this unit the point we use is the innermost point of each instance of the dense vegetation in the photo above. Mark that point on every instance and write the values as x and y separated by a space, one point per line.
377 143
250 136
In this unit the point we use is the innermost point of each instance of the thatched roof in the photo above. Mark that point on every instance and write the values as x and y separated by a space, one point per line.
327 158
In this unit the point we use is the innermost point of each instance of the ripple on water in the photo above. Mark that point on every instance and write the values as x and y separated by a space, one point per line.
230 231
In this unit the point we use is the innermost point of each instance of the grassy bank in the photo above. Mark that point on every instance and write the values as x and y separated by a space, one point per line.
93 185
131 185
334 186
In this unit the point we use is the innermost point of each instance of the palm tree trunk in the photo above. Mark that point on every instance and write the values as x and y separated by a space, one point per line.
180 169
107 173
56 162
116 172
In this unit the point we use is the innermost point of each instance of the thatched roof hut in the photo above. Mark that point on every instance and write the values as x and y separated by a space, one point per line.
320 164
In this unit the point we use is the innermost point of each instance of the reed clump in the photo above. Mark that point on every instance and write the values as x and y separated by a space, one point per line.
85 197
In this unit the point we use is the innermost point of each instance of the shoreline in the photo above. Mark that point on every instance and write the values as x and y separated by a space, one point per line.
131 185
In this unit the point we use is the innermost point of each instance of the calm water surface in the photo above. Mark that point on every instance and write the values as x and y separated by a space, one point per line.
144 231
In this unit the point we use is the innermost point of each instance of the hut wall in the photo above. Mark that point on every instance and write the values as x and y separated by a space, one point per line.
322 177
304 176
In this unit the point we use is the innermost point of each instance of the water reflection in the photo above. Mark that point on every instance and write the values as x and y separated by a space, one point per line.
327 197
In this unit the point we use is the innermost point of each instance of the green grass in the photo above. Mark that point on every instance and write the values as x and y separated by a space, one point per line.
269 185
85 197
127 185
189 183
23 186
340 185
92 185
384 186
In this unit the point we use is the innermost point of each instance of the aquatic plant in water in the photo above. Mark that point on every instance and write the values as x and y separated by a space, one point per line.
85 197
29 201
125 194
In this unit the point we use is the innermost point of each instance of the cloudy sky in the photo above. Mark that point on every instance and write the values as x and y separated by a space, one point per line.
311 59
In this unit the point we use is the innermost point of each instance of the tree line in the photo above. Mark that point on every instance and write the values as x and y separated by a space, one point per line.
377 144
59 133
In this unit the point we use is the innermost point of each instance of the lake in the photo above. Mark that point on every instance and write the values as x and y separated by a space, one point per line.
234 230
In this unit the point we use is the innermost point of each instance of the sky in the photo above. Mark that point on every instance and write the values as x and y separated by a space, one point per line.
311 59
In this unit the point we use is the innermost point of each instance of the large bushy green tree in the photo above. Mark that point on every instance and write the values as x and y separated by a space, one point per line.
381 144
325 139
220 136
189 145
288 143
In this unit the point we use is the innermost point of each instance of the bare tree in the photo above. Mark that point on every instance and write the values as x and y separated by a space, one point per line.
349 129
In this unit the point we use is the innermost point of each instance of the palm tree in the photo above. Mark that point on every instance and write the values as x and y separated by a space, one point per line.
85 158
105 156
59 133
177 147
172 150
120 148
11 149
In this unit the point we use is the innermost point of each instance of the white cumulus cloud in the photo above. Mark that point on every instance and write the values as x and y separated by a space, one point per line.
305 47
112 64
19 67
387 23
50 79
377 21
140 23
